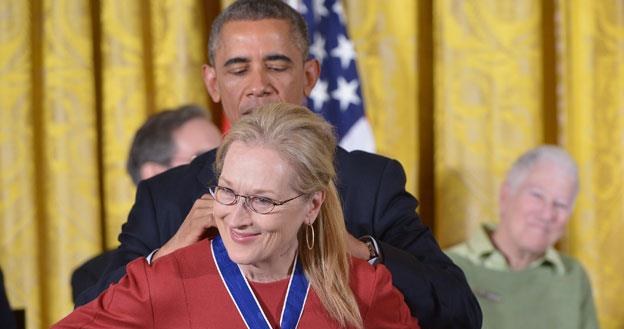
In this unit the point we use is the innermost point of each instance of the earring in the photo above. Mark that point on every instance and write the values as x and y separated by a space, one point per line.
309 228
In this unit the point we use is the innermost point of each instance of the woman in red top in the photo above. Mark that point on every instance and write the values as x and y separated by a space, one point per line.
280 260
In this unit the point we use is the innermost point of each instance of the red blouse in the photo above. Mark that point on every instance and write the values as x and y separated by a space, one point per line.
184 290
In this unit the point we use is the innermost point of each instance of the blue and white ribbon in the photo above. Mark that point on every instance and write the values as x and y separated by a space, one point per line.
245 300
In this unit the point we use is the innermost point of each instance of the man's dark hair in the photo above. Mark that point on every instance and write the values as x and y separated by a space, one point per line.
255 10
153 142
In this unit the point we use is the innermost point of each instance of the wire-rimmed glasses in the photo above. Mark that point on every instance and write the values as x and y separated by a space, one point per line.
259 204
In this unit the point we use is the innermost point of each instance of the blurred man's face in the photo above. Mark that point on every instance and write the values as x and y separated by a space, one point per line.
193 138
535 213
256 63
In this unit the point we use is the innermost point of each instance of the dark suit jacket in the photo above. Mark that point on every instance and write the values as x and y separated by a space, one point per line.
6 315
372 189
88 274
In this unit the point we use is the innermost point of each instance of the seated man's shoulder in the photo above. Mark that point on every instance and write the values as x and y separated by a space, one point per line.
97 264
572 265
458 252
460 248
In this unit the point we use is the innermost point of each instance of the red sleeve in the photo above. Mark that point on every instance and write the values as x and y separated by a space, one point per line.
387 308
126 304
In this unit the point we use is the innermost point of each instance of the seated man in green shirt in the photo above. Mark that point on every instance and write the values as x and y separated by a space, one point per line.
520 280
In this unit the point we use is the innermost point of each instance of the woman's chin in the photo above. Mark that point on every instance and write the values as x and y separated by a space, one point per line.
242 258
240 254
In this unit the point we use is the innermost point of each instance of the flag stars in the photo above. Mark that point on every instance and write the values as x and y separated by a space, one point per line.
346 93
344 51
319 9
337 8
303 9
318 47
319 95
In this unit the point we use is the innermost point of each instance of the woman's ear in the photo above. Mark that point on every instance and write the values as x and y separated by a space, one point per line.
315 203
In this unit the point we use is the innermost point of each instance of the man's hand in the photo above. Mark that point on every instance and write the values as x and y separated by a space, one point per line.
193 229
357 248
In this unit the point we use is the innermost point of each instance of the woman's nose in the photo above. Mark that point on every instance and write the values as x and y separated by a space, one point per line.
241 214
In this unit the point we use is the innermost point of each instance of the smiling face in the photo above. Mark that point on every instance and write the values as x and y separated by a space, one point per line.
534 213
257 63
265 243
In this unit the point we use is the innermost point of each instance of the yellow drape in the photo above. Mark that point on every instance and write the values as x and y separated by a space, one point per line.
151 54
592 128
384 34
19 251
488 91
454 89
78 79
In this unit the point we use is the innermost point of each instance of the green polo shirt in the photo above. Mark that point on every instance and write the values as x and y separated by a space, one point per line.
553 292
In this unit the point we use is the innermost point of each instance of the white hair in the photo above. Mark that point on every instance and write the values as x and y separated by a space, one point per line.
545 153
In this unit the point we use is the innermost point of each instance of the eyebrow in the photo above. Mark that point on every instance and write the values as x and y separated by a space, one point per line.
236 60
268 58
277 57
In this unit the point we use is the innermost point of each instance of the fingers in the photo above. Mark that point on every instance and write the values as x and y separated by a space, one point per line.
205 200
206 196
194 227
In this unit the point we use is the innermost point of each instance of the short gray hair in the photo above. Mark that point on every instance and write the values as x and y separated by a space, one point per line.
551 153
255 10
153 142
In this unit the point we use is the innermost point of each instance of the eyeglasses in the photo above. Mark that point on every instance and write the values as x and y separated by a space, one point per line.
258 204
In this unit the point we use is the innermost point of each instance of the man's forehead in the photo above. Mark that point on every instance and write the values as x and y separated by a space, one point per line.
270 32
557 184
255 27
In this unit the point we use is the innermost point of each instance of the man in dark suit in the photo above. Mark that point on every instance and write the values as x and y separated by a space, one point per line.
167 139
258 54
7 320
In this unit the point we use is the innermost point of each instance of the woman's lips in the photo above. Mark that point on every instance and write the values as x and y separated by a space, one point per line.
243 237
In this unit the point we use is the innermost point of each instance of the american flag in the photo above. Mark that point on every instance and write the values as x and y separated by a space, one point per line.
337 94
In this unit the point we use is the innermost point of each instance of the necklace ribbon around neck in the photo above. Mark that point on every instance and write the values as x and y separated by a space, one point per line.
245 300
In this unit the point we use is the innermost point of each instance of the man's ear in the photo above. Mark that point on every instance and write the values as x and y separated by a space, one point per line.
312 71
210 81
316 201
150 169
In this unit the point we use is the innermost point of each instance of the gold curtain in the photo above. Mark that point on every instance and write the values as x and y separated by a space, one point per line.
454 89
151 54
78 78
592 128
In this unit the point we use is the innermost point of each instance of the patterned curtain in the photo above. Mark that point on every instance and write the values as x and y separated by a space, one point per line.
454 89
78 78
591 64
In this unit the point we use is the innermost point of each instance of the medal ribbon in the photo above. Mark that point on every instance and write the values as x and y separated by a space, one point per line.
246 302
